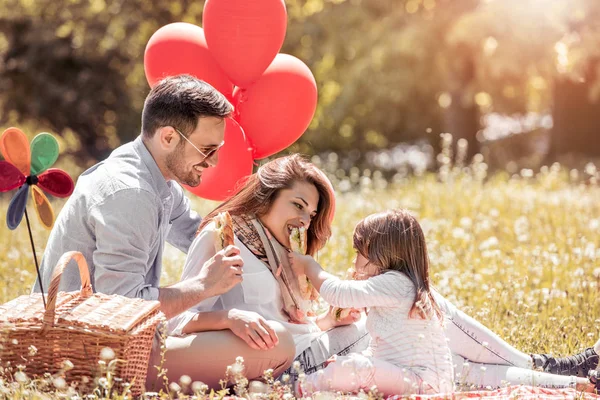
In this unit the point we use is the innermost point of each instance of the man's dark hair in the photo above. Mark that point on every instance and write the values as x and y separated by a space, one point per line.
179 101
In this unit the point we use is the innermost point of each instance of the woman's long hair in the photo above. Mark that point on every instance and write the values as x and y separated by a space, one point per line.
393 240
262 188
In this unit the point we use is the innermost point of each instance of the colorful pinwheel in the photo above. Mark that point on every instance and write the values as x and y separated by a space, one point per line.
27 166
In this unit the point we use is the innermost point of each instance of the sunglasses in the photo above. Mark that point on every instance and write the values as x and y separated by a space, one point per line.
206 155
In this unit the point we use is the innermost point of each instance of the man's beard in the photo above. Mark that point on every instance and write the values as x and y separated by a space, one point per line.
176 166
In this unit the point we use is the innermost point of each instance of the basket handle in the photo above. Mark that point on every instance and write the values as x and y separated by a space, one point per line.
86 285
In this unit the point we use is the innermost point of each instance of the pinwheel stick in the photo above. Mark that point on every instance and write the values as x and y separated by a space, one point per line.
37 267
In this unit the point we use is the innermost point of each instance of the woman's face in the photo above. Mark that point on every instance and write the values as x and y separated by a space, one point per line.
293 208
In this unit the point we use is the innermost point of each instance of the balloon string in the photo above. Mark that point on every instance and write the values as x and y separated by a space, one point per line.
37 267
243 97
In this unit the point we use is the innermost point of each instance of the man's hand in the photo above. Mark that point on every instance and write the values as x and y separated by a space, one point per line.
222 272
252 329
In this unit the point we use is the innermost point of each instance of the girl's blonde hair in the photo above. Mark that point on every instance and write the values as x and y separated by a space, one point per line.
393 240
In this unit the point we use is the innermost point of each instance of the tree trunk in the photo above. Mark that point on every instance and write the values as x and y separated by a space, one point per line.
461 118
576 118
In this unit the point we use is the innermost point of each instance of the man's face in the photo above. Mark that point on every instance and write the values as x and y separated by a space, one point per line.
185 164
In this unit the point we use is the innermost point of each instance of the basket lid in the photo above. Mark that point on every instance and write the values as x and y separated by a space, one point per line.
109 313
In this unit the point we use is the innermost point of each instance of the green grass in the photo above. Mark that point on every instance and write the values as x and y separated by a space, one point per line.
520 254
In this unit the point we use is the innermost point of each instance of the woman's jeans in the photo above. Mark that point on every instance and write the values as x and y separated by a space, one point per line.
339 341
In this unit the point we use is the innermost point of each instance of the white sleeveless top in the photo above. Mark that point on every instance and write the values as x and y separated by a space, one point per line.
258 292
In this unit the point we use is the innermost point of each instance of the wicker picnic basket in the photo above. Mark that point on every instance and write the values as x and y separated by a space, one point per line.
77 326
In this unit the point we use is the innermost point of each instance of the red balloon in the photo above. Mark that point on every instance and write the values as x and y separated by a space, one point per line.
180 48
278 108
244 35
235 162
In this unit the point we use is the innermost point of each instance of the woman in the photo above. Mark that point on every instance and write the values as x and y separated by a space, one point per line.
285 193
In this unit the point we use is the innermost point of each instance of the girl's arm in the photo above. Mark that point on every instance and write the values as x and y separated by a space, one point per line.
385 290
314 272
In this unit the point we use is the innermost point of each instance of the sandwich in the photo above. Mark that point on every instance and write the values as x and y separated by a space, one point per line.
224 228
298 244
340 313
298 240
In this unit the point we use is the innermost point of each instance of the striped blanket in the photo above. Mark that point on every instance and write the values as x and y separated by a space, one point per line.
512 392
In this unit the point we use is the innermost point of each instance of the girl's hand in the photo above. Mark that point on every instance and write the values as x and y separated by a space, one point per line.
252 329
299 262
326 320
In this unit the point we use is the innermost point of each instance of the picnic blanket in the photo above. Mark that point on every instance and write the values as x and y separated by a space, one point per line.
520 392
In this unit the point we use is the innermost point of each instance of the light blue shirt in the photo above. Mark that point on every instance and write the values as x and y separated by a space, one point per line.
119 216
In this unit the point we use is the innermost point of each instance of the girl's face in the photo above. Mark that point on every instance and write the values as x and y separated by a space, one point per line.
294 207
364 268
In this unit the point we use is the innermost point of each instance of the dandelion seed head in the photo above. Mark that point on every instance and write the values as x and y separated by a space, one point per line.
59 383
107 354
185 380
20 377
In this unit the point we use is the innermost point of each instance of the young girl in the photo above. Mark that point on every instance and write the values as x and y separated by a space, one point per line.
408 352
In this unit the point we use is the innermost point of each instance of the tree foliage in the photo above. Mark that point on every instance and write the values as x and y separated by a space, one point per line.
388 71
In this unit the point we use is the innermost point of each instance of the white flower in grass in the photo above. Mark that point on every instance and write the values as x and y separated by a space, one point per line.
67 365
258 387
174 387
324 396
185 380
107 354
20 377
237 369
296 366
490 243
59 383
198 386
32 350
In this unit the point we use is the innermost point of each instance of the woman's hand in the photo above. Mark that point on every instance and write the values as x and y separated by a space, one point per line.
252 329
327 321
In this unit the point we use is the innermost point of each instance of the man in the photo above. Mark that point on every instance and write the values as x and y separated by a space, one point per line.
124 208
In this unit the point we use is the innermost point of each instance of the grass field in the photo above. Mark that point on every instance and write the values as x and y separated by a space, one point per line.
521 254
